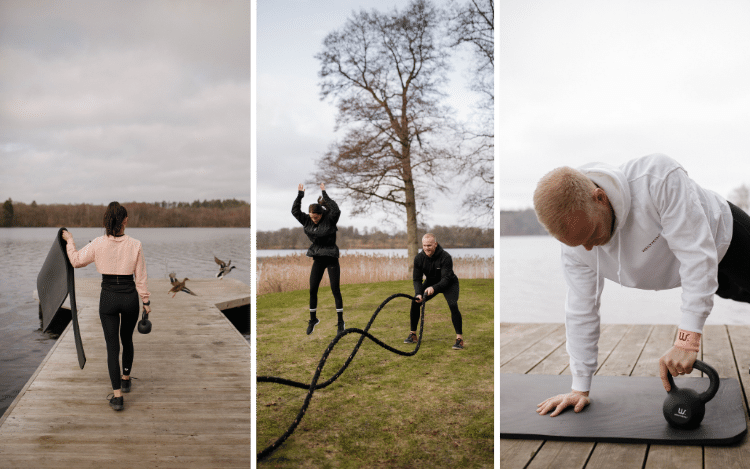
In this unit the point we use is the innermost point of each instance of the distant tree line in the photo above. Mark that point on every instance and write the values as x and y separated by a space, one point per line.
349 237
209 213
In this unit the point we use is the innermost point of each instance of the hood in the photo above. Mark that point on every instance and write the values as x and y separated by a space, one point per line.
615 184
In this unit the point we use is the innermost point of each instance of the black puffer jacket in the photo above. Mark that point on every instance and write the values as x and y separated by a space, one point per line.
438 269
322 235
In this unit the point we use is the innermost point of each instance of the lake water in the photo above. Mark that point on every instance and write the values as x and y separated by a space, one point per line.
187 251
532 289
454 252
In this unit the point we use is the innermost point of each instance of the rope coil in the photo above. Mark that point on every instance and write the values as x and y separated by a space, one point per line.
313 385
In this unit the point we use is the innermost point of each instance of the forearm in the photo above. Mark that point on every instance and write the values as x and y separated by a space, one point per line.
333 206
297 207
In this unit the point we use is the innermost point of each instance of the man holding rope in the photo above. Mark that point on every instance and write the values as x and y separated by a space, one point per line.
437 265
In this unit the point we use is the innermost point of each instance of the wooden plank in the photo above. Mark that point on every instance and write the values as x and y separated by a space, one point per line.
190 406
661 339
520 339
737 346
562 455
517 453
621 362
532 356
608 339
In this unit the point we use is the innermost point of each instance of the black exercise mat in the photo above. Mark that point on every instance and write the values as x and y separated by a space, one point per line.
623 409
54 283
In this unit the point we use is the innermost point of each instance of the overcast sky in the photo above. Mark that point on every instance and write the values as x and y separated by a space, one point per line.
584 81
295 128
144 100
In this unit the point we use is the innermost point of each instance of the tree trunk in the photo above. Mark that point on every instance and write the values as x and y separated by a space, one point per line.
412 237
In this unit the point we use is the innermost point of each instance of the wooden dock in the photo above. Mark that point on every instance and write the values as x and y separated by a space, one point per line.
189 407
624 350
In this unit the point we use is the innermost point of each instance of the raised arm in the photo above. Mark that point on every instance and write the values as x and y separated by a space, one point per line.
301 217
335 212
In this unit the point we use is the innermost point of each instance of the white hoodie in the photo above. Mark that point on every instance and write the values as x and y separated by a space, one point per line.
669 232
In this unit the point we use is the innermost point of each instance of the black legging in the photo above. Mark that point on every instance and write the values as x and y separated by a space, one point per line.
113 304
734 268
451 296
320 264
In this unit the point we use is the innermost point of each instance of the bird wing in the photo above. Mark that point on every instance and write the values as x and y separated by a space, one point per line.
220 262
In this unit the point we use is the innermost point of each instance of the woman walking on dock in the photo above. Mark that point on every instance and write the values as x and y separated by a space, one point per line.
320 227
119 258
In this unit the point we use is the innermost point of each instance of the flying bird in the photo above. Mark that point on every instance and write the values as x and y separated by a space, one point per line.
178 286
223 268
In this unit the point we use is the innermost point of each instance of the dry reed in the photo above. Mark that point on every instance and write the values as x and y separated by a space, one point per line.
288 273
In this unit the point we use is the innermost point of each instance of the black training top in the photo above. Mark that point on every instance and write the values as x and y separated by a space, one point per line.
322 235
438 269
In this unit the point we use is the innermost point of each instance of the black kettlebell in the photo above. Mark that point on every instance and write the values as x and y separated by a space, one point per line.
685 408
144 325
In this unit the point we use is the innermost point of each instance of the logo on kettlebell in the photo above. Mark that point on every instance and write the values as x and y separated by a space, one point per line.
682 413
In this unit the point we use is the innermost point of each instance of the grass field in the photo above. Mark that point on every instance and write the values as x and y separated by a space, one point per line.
434 409
289 273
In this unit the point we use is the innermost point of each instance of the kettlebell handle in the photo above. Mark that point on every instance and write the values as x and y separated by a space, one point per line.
713 376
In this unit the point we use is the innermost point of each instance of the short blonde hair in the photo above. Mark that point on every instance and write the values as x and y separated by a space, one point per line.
429 235
557 194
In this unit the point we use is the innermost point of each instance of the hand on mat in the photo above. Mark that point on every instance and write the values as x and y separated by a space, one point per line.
67 236
677 362
577 399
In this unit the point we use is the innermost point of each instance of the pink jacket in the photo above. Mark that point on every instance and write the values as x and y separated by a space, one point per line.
114 256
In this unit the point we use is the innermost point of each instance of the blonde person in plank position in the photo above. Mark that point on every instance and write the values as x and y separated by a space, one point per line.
644 225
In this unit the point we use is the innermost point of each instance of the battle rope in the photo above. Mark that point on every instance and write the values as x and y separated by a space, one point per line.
313 385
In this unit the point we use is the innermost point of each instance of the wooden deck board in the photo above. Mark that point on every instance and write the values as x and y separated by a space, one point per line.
624 350
189 408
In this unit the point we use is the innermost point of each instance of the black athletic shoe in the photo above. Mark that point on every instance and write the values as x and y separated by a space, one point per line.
341 326
412 339
311 325
116 402
459 345
125 384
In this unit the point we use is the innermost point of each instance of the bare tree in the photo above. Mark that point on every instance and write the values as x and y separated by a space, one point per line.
472 24
384 72
740 197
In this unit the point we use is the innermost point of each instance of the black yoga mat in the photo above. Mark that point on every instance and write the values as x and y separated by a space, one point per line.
623 409
54 283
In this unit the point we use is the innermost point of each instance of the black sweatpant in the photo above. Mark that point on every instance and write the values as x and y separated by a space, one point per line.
320 264
734 268
118 311
451 296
